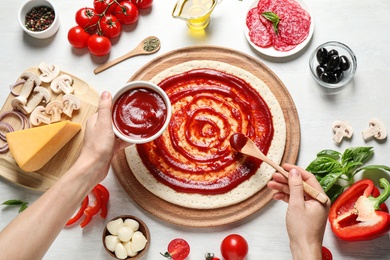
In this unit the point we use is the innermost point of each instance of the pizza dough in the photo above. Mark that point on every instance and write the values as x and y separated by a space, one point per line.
244 190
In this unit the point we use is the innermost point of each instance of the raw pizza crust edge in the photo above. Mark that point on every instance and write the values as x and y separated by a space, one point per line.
244 190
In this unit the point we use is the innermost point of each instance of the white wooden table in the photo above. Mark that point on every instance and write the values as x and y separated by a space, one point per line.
362 25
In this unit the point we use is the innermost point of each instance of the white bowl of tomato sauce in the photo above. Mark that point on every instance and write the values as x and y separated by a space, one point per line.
141 112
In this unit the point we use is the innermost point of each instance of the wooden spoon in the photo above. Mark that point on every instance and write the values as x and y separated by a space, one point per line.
149 45
242 144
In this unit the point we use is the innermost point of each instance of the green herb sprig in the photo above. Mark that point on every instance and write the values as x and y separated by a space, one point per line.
23 204
336 171
273 18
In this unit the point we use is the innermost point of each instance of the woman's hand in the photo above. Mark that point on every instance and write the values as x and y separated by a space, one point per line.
100 143
306 217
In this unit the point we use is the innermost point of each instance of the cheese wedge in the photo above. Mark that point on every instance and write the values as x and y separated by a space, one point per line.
32 148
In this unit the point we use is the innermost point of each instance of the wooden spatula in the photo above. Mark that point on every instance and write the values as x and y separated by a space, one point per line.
242 144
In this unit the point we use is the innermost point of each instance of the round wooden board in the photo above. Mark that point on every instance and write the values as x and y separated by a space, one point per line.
220 216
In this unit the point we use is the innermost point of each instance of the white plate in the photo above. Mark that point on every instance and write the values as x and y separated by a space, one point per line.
270 51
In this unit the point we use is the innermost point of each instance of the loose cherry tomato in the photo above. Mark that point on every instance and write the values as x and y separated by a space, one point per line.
99 45
77 37
326 254
87 18
234 247
178 249
110 25
143 3
127 12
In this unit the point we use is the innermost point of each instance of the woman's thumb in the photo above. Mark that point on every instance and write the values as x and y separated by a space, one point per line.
295 184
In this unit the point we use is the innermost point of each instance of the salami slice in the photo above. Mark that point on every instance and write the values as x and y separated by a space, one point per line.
258 33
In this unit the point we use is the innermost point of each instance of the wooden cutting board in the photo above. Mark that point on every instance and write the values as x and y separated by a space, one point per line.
221 216
44 178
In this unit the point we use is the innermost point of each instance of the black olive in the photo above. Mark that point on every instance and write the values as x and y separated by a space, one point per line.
322 56
344 63
338 74
320 69
333 52
333 63
328 77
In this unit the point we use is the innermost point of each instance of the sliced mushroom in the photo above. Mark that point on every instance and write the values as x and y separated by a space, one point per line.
19 103
38 116
341 129
71 103
42 95
48 72
375 130
54 109
31 80
62 84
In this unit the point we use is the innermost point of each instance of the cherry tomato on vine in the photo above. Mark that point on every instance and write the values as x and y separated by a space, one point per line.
127 12
234 247
143 3
178 249
326 254
78 37
99 45
87 18
110 26
104 6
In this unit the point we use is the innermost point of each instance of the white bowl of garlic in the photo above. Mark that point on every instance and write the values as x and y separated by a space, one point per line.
126 237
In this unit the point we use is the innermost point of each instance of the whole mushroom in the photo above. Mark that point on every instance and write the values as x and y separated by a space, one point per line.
375 130
341 129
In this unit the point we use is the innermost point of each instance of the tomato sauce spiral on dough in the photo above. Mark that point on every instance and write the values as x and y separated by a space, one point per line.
194 154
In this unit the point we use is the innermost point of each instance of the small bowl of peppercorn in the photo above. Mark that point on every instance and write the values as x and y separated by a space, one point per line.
39 18
332 64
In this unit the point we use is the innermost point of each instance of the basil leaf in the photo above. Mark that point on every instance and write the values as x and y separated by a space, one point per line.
330 153
323 165
273 18
375 167
23 207
357 154
13 202
329 180
334 192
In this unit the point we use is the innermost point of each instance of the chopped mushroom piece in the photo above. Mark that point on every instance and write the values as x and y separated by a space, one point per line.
38 116
31 80
62 84
341 129
54 109
49 72
19 103
375 130
71 103
42 95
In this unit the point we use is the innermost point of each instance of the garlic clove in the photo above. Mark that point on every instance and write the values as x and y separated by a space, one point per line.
125 233
129 249
111 242
132 223
120 251
138 241
114 225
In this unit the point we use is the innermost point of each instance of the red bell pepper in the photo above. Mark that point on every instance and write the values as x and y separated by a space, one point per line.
78 215
360 212
105 195
90 211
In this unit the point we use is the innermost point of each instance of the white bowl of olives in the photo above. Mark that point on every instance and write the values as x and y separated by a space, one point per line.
332 64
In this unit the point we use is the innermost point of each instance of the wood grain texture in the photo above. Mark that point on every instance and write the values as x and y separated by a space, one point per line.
221 216
44 178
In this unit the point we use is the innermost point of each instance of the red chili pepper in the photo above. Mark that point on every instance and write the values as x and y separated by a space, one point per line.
105 195
360 212
90 211
79 213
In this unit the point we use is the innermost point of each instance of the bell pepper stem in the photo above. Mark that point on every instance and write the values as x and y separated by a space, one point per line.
384 184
